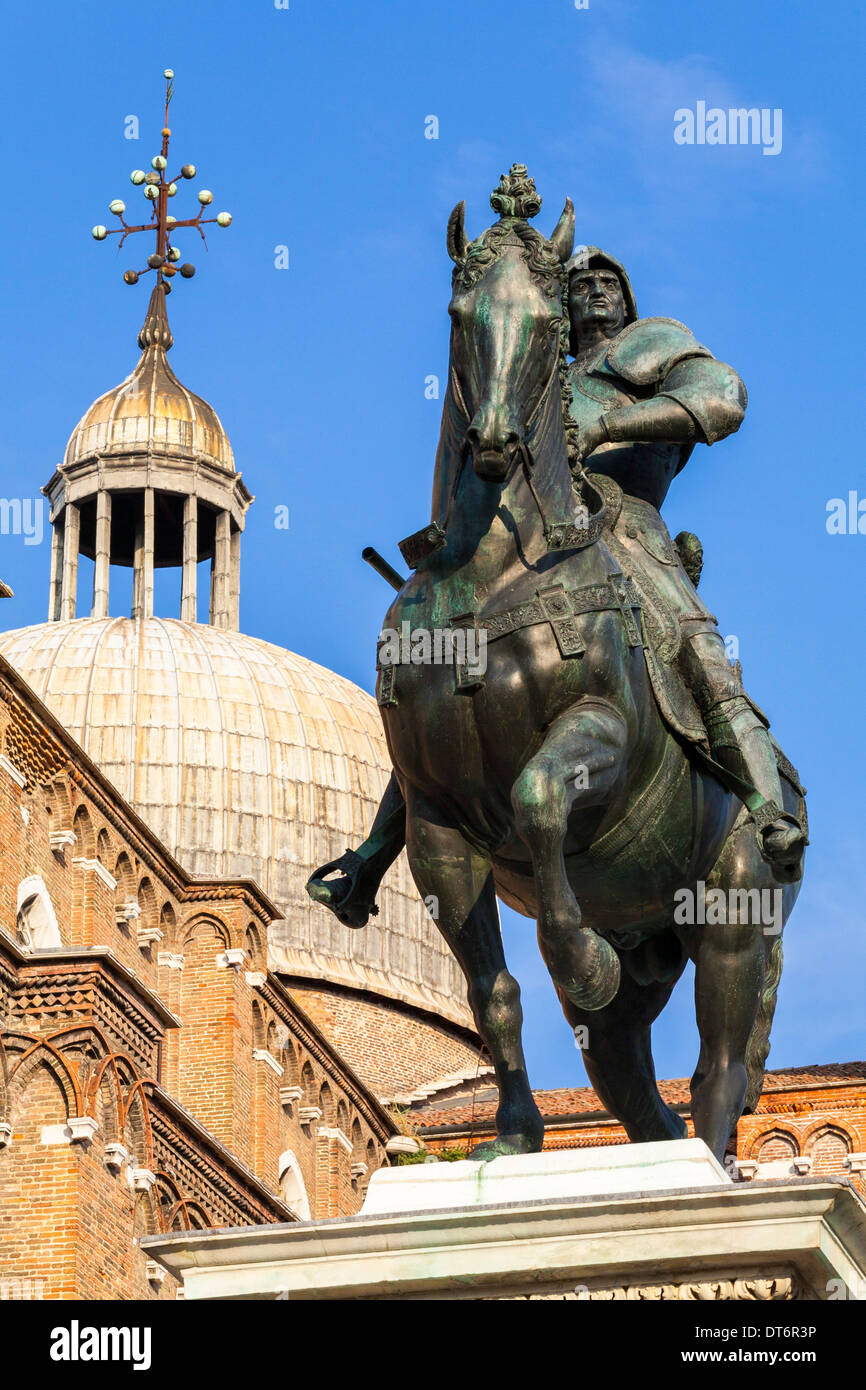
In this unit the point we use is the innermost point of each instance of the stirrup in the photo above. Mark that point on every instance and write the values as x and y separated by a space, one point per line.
321 890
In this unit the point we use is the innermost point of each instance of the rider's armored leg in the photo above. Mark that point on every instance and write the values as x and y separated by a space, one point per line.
739 740
352 895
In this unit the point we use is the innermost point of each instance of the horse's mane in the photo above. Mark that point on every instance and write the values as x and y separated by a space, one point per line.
540 256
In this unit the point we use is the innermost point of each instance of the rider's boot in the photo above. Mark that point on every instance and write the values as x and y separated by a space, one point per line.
351 896
739 740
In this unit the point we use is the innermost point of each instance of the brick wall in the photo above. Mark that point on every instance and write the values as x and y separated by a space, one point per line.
392 1048
100 1048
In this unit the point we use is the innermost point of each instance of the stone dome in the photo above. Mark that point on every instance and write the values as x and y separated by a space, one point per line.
247 760
151 412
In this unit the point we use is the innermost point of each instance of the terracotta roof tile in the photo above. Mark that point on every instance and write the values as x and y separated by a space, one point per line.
582 1100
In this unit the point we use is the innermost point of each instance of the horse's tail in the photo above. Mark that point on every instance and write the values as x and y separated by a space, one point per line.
758 1045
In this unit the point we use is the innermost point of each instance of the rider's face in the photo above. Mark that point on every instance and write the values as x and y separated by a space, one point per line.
595 298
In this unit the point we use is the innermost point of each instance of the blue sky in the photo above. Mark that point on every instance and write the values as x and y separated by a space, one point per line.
309 126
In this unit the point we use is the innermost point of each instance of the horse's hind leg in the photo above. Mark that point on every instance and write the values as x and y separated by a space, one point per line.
616 1047
730 972
580 761
448 869
729 978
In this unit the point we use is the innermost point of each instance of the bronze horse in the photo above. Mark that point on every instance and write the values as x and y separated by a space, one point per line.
550 778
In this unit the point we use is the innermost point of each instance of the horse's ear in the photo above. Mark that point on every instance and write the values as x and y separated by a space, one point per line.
457 240
562 240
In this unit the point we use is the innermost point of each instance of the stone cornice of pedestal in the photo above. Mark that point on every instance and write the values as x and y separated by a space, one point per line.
816 1228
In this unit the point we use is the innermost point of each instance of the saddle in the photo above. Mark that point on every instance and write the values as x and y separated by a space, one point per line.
661 628
649 621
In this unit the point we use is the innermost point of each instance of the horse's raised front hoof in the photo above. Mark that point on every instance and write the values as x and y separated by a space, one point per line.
344 895
600 982
506 1146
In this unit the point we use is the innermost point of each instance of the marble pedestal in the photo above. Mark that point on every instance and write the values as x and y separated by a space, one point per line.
626 1222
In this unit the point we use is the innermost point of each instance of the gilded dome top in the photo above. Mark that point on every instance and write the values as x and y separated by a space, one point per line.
151 413
246 760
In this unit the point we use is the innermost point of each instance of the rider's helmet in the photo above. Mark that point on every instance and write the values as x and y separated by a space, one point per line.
593 258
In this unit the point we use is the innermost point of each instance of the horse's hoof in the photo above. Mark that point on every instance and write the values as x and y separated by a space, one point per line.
601 981
505 1146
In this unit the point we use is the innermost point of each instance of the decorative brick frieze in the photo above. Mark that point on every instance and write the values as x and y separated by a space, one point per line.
229 1189
80 986
305 1032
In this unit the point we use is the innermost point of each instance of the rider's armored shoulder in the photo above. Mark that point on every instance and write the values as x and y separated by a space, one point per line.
711 392
646 351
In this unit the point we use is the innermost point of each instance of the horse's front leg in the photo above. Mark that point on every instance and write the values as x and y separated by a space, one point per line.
458 878
579 762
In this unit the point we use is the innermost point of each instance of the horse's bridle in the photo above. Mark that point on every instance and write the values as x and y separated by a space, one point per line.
560 533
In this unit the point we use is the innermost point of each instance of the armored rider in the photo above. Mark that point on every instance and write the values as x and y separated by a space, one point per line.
643 392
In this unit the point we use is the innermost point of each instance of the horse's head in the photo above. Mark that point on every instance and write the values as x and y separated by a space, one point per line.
507 322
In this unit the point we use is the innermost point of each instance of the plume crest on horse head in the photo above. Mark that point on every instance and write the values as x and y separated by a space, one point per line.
569 773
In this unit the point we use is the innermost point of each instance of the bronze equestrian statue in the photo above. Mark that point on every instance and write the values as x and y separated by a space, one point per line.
605 773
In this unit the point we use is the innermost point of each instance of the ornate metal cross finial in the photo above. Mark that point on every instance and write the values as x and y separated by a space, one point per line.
158 189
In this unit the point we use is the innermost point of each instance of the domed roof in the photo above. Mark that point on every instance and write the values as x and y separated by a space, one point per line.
246 760
151 412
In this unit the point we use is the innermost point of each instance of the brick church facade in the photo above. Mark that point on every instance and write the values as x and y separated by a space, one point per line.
154 1074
